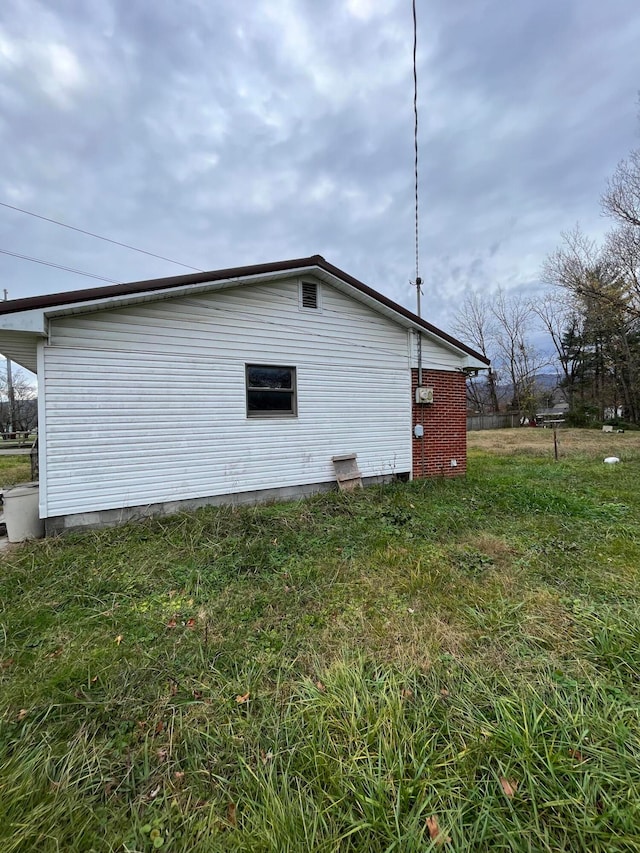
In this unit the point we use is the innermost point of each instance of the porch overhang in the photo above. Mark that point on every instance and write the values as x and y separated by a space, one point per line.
20 347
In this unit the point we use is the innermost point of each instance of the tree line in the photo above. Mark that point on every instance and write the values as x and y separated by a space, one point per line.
590 315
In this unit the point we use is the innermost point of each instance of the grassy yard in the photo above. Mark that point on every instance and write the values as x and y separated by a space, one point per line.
433 665
14 469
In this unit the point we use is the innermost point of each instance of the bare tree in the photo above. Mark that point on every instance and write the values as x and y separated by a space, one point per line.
602 335
622 251
570 264
561 321
515 350
476 325
621 202
602 332
587 272
501 328
621 199
25 408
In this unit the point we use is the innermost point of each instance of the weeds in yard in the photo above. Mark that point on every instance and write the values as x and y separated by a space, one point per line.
424 665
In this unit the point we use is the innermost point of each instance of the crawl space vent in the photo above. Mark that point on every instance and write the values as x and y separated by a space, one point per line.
347 472
309 294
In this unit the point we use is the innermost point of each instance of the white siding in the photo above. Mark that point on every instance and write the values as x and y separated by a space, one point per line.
147 404
435 356
243 321
20 347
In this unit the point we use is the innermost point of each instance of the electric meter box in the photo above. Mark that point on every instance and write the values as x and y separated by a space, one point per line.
424 395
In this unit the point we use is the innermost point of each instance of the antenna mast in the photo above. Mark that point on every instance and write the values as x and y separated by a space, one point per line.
415 146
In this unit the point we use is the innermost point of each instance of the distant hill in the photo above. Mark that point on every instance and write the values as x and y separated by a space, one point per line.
547 381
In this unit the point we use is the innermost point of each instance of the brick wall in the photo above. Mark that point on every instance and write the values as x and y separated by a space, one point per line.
445 425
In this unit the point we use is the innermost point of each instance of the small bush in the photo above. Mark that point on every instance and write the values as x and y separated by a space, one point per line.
582 416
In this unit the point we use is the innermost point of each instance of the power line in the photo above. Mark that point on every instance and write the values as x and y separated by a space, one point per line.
98 236
57 266
415 145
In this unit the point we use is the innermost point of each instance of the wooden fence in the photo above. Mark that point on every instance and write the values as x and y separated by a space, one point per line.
492 421
17 438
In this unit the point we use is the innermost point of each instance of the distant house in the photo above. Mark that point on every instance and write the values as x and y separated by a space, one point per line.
559 410
235 385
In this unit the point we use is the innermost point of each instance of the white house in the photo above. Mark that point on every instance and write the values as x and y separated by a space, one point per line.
233 385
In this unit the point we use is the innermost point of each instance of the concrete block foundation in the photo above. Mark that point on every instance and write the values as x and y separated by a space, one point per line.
114 517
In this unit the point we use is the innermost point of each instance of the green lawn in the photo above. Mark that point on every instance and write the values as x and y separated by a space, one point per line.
351 673
14 469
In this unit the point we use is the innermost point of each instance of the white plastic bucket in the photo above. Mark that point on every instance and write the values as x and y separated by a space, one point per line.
21 513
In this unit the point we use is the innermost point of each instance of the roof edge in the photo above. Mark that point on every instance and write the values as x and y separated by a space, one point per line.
131 288
52 300
394 306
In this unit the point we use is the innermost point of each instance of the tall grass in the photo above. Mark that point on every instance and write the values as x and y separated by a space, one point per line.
355 760
345 673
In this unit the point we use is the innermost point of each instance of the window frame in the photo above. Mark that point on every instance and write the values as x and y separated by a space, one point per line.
271 414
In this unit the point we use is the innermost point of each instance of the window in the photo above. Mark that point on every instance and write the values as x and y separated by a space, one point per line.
271 391
309 296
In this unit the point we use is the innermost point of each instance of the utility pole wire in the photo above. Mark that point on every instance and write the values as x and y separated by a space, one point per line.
97 236
57 266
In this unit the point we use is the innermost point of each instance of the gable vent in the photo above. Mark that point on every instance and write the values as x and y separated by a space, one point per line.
309 294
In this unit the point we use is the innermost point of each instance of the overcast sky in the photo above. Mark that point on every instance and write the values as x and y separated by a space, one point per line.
221 133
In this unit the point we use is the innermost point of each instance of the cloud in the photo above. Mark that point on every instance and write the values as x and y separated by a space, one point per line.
220 137
366 9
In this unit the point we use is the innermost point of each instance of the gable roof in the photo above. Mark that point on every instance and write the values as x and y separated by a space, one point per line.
95 294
